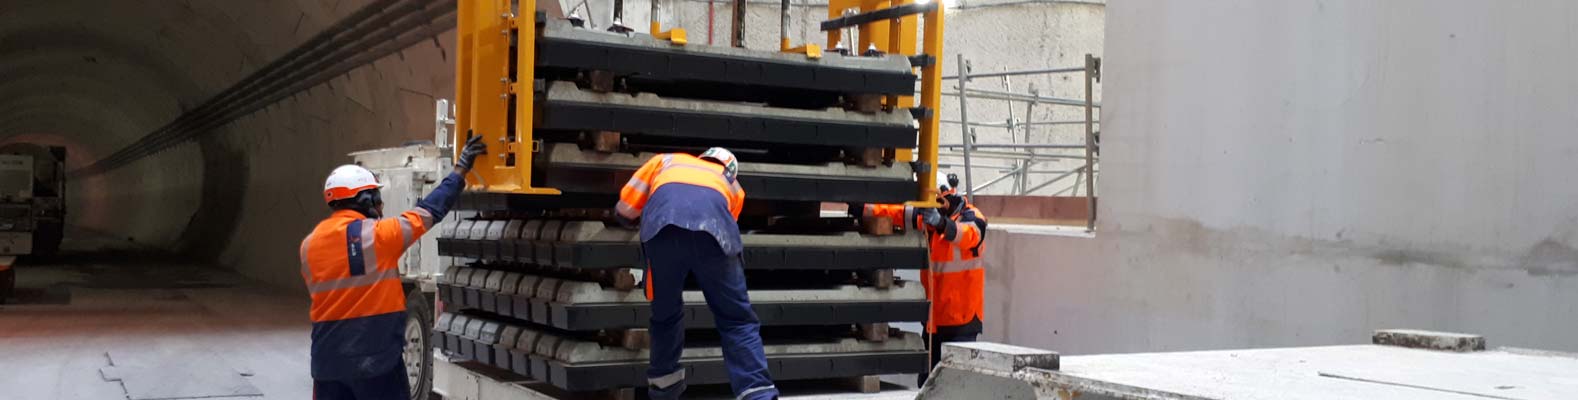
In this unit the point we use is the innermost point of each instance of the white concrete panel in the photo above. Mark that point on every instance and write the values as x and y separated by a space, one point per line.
1302 172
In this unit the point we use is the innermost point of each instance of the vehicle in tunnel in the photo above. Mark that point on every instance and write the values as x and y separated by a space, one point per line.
32 211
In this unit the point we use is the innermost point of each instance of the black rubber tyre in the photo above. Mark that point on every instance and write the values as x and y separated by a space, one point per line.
46 240
7 284
418 356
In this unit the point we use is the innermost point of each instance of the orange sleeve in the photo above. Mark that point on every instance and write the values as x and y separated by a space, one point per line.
968 236
633 197
970 229
737 201
392 236
898 213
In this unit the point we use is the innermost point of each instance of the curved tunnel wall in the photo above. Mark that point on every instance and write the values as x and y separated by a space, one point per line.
96 76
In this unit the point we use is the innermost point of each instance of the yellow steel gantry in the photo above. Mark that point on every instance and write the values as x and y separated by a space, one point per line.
497 104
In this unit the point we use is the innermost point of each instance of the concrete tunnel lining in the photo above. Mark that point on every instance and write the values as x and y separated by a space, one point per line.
96 77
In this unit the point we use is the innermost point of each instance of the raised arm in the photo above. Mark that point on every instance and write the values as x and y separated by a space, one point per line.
395 235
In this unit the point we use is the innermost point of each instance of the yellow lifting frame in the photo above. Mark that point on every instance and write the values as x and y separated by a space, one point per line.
484 89
484 86
898 36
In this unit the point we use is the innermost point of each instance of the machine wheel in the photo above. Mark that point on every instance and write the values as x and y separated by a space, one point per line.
7 283
418 354
46 240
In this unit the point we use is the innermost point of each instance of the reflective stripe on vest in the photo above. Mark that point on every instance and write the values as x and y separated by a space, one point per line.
626 210
349 265
362 257
353 281
955 281
427 217
715 179
955 266
669 164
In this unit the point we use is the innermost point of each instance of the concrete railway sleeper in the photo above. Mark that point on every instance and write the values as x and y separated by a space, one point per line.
594 245
574 363
581 305
717 70
564 107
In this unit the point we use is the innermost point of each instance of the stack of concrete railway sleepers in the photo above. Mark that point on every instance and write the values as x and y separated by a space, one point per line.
549 288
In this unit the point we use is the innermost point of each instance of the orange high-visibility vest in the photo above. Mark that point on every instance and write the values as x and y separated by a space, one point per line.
956 279
676 168
351 264
351 267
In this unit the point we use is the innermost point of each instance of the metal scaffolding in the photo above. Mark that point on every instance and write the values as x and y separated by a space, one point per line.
1016 160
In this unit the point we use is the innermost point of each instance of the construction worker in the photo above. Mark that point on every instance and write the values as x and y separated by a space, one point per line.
956 278
350 263
687 208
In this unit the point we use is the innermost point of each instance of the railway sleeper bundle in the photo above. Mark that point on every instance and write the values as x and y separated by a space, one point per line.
567 167
575 305
548 287
577 362
611 61
596 245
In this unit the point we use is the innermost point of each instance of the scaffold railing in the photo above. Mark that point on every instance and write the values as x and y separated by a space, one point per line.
1017 161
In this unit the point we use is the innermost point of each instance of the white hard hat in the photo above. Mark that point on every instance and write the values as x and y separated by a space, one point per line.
942 183
731 166
348 180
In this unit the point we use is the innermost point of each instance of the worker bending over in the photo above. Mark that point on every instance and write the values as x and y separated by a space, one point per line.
956 279
350 262
687 208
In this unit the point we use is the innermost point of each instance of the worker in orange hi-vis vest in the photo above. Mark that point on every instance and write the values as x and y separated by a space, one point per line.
687 207
956 278
350 263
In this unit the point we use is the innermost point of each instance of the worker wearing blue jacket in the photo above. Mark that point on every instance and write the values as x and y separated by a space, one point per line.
687 207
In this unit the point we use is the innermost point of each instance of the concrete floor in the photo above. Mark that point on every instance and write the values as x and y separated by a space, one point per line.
176 330
170 328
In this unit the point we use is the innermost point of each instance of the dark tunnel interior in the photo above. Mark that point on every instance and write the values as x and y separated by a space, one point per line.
99 77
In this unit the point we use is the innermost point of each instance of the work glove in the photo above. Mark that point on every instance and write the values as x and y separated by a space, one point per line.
468 155
931 218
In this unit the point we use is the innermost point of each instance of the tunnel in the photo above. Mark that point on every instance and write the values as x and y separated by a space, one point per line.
198 136
101 78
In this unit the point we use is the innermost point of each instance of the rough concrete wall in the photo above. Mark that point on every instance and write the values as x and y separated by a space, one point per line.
95 77
1301 172
286 151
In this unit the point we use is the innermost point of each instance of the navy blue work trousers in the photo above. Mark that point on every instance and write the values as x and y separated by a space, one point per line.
673 254
392 385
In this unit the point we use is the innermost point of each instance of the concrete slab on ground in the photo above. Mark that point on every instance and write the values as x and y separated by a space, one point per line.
193 377
197 319
1332 372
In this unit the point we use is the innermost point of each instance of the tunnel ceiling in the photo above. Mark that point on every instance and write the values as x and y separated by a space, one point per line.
97 75
102 77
